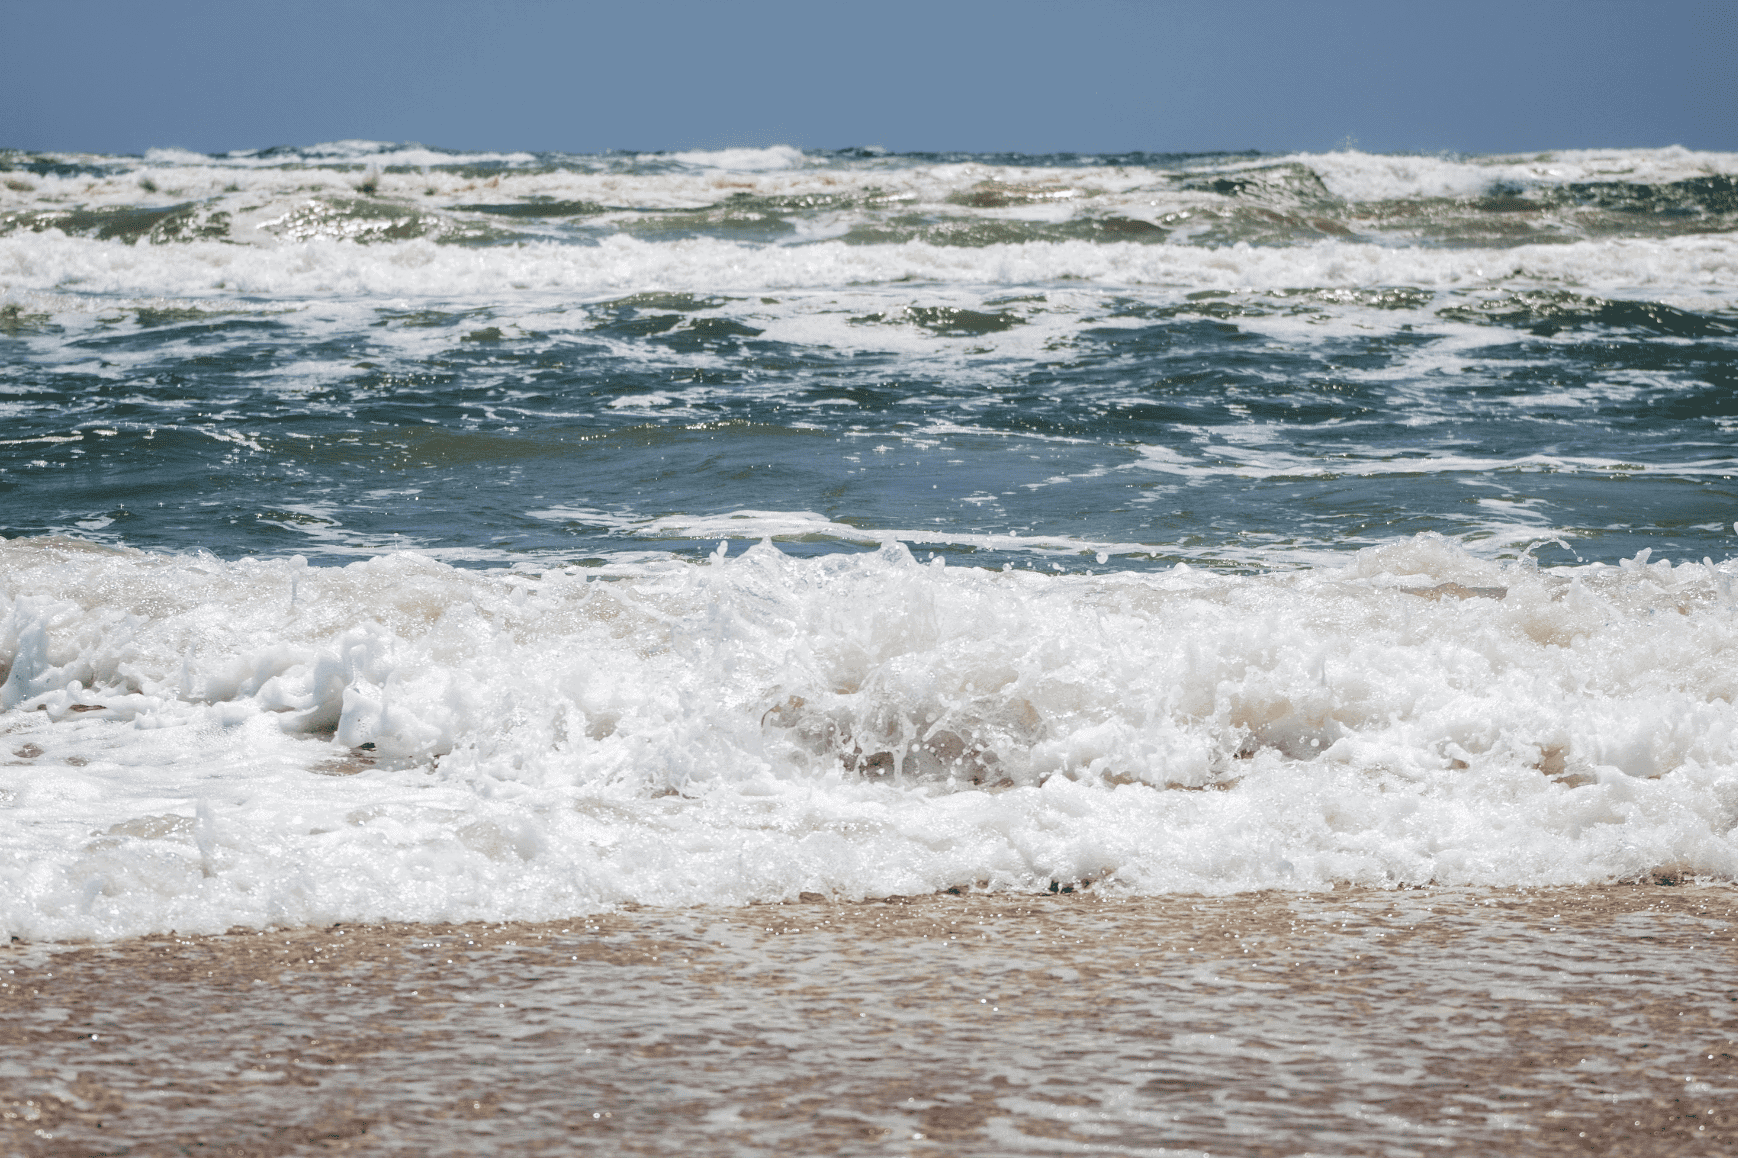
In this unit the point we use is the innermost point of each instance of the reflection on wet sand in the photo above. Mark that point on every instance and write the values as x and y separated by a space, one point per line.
1596 1021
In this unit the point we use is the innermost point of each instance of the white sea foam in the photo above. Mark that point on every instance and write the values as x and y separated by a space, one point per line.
340 151
361 189
1351 175
1258 462
268 742
302 213
1691 270
859 725
1359 176
741 160
788 525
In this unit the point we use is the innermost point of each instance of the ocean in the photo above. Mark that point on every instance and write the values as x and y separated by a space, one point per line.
400 534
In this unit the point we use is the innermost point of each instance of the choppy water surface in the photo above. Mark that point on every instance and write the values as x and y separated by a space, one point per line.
500 358
528 396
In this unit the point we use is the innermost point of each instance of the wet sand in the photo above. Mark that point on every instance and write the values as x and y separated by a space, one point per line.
1586 1021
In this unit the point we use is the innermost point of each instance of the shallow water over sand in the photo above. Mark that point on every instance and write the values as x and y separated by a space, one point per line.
1597 1021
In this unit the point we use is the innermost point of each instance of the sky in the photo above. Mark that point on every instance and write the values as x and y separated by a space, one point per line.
941 75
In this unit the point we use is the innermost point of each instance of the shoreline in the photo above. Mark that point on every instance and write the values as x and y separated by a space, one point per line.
1591 1020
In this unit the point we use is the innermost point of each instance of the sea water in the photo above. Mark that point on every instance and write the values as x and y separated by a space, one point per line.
394 533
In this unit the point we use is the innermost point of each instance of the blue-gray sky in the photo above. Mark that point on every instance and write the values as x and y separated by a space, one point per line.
1025 75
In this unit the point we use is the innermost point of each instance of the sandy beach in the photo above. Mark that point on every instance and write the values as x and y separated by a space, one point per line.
1573 1021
